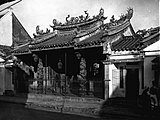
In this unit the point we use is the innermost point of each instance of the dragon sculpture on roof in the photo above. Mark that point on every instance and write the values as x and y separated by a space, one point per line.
77 20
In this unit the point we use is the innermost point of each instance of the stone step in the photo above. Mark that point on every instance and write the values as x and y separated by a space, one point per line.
70 104
121 102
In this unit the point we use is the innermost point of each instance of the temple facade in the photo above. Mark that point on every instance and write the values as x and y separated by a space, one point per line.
87 57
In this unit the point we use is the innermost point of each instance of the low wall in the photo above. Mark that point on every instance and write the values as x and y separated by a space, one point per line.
64 104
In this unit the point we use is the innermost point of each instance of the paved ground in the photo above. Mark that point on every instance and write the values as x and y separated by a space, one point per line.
12 111
20 108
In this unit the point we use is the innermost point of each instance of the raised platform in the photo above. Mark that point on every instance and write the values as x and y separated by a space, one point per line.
66 104
81 106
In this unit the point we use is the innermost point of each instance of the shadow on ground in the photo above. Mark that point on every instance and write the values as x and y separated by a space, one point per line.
11 111
124 108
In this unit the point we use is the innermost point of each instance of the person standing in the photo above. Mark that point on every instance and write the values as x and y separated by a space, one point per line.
154 93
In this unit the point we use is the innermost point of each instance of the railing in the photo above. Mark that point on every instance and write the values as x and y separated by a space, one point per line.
53 83
66 86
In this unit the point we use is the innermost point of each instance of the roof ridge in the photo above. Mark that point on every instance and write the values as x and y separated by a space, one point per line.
150 37
43 39
21 46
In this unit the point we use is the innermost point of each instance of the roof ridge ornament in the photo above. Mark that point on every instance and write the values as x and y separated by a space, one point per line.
147 32
79 19
87 15
40 32
74 20
123 19
129 13
101 12
107 48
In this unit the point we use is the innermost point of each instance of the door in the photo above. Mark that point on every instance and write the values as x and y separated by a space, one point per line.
132 83
21 81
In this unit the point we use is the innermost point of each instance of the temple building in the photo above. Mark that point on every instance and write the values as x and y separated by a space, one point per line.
12 35
133 64
87 57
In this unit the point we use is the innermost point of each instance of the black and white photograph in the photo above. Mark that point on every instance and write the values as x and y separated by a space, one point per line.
79 60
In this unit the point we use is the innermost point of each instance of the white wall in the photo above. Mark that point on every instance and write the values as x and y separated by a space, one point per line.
153 47
151 52
6 29
114 84
148 72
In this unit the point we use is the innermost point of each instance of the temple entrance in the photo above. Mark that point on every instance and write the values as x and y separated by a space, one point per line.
95 71
132 83
70 72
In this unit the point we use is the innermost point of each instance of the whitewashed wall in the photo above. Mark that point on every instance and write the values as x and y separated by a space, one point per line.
6 29
148 72
150 53
114 84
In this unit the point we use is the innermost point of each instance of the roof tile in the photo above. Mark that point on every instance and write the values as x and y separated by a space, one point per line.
54 41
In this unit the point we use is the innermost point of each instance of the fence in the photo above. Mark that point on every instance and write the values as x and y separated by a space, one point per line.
60 84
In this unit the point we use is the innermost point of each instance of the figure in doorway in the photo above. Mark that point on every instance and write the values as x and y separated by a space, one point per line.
145 101
154 92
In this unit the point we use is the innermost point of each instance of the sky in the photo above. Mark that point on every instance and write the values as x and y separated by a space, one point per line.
42 12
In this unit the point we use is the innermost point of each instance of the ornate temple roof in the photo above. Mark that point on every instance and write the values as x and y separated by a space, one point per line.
53 42
94 39
80 32
116 26
94 36
126 43
137 43
150 39
23 49
81 22
5 50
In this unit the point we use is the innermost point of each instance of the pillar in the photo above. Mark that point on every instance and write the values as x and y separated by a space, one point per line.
2 79
106 81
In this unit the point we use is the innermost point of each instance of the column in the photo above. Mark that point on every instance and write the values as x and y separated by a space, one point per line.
106 81
40 76
82 77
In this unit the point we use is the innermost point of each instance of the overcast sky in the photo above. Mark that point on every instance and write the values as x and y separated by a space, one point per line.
41 12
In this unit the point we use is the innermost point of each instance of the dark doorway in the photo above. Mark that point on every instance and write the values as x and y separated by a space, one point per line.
20 80
132 84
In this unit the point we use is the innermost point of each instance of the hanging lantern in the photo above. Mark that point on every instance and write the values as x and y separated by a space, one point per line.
60 65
